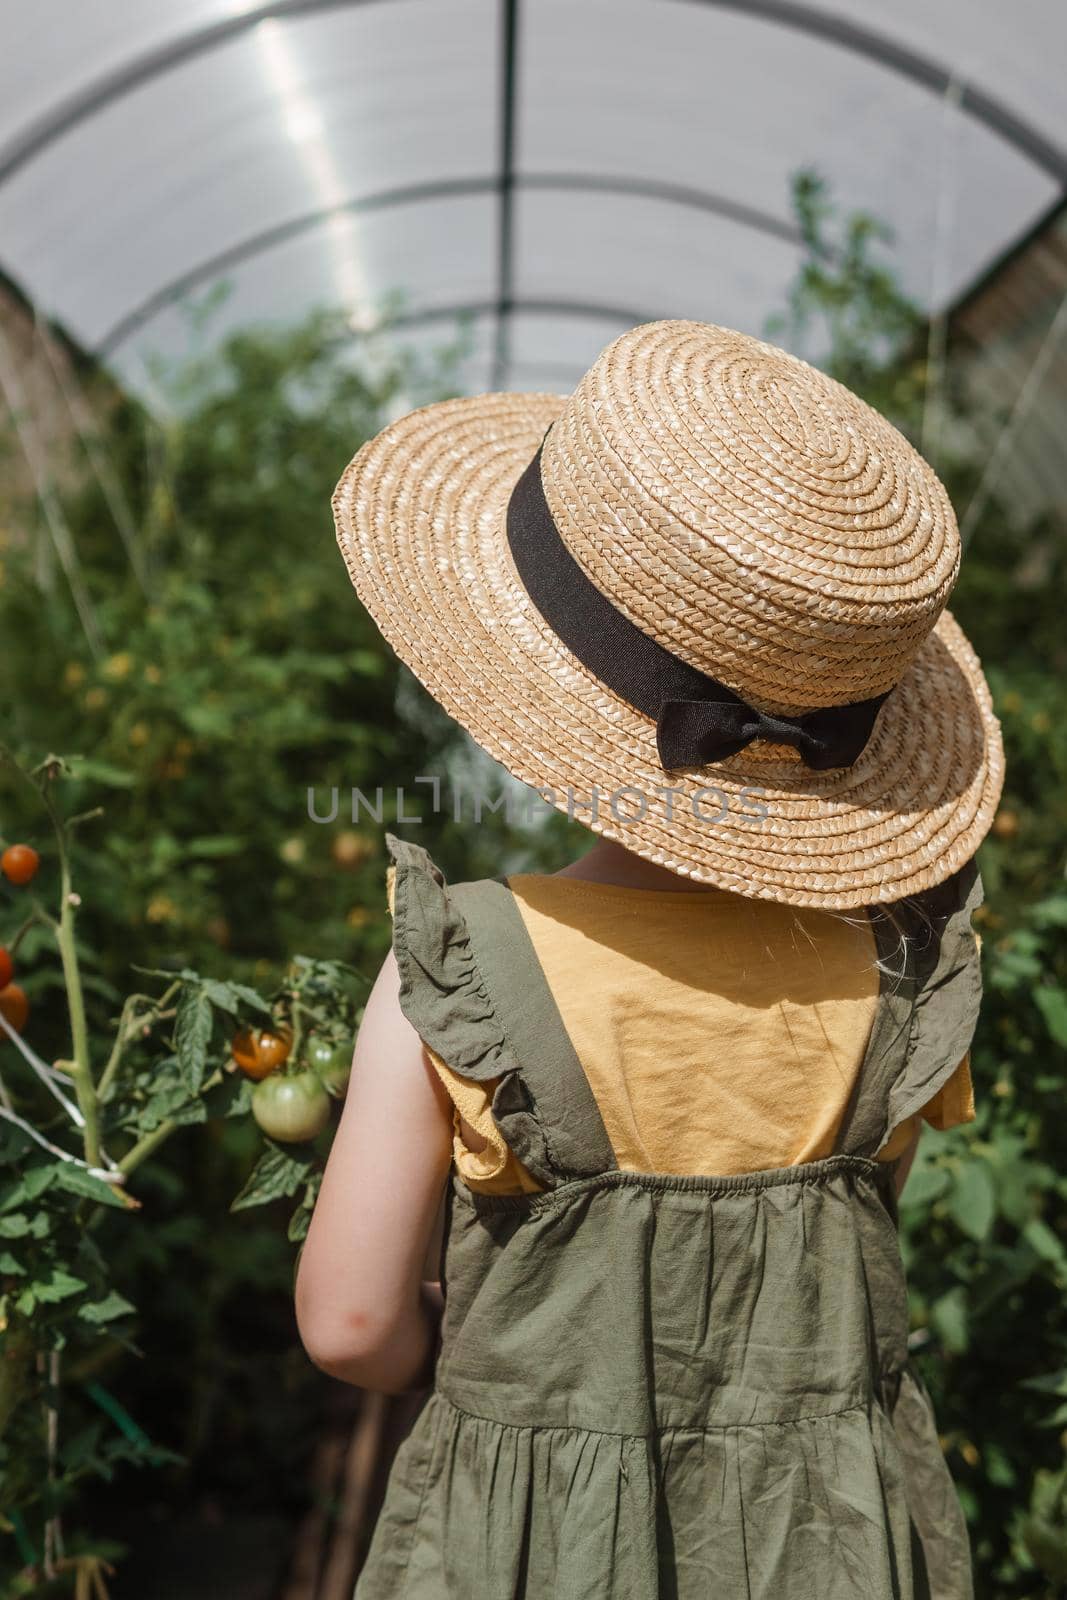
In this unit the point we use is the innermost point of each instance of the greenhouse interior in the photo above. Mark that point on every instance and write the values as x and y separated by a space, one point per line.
240 240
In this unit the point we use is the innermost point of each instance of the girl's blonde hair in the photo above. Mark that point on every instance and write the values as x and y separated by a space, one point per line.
910 918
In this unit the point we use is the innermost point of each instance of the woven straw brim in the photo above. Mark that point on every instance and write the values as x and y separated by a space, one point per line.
420 514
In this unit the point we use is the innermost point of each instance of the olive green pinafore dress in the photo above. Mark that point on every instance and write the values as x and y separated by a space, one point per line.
653 1387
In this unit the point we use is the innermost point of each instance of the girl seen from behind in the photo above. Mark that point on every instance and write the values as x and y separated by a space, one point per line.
616 1180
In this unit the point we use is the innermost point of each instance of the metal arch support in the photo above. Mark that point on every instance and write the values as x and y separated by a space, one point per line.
623 316
131 75
886 52
270 238
505 268
536 305
908 63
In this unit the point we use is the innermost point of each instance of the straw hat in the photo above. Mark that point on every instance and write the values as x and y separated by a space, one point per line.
705 593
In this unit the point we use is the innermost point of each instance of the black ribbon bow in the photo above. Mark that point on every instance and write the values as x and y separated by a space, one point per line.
693 733
698 719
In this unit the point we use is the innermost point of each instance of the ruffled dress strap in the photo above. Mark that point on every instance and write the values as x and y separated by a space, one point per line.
929 997
948 992
442 996
550 1089
478 999
929 1000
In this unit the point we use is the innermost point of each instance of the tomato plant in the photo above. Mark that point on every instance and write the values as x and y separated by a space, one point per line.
208 698
161 1067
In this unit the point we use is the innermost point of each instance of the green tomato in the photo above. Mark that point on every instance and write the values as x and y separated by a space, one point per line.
291 1107
331 1064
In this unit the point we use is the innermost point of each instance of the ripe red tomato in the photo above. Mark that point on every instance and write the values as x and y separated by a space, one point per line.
14 1007
259 1052
7 967
291 1108
19 863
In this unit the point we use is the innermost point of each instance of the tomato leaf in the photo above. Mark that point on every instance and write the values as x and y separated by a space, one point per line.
299 1223
275 1174
193 1110
170 1099
112 1305
230 996
250 997
230 1098
300 1220
33 1182
78 1181
18 1225
192 1035
58 1285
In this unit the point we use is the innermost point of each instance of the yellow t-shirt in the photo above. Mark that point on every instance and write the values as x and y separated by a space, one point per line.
762 1011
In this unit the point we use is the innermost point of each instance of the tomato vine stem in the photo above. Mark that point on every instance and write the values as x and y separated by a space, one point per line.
63 930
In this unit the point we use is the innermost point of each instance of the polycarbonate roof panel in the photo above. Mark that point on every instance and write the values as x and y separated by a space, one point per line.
292 121
474 370
545 349
433 254
558 168
1015 53
564 239
727 104
54 48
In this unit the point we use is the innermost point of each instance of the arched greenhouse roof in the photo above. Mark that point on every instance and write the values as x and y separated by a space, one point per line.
557 168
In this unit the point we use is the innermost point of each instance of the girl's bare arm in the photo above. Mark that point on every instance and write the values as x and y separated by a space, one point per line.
360 1308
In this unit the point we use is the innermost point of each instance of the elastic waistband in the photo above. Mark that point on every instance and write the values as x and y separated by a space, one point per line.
806 1172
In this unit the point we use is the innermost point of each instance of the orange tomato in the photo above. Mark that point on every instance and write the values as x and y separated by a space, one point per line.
19 863
259 1052
350 849
1005 824
14 1006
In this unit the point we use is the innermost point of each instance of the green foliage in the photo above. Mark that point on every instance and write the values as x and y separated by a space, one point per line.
166 1064
237 671
984 1221
276 1173
243 674
845 308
